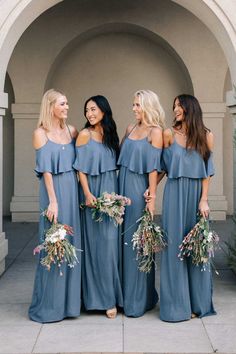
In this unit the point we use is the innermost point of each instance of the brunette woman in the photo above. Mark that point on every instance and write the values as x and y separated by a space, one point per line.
185 290
97 147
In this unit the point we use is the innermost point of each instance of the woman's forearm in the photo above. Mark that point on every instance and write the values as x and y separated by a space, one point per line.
52 209
84 183
152 179
205 188
50 187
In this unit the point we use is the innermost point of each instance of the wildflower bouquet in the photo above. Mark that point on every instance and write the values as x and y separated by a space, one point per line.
57 247
147 240
112 205
199 244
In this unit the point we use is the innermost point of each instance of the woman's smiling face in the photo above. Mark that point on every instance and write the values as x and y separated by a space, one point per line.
93 113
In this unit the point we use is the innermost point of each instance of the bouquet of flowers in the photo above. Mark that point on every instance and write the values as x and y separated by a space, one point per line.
57 247
112 205
147 240
199 244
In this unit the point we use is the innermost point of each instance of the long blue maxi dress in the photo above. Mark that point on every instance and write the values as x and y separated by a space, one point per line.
137 159
101 243
184 288
56 297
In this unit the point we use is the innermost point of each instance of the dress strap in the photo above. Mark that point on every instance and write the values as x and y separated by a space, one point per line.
149 139
69 131
172 131
46 135
127 135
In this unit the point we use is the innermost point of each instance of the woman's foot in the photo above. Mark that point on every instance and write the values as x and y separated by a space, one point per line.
193 315
111 313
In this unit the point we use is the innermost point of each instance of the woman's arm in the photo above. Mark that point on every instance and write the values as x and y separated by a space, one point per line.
203 204
156 141
40 139
82 139
89 197
52 209
167 138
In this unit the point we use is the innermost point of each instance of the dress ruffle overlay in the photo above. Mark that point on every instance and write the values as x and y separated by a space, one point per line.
56 297
101 242
137 159
184 288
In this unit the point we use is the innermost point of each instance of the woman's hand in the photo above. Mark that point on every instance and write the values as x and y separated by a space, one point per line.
52 212
204 208
150 206
90 200
146 195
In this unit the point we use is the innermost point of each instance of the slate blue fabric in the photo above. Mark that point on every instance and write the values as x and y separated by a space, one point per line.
184 288
56 297
137 159
101 242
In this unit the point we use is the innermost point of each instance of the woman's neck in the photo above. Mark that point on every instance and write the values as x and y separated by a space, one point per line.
97 129
56 124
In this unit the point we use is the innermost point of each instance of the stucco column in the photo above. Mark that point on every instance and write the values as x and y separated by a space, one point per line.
24 204
231 103
213 115
3 241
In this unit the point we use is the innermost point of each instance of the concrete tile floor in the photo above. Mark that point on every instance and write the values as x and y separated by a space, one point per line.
93 332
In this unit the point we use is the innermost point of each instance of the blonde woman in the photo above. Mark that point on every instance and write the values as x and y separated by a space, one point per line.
139 165
56 297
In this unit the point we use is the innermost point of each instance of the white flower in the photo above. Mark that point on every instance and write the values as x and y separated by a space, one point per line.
209 237
62 233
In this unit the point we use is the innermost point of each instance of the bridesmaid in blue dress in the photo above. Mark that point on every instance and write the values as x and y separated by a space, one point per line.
139 165
97 147
185 290
56 297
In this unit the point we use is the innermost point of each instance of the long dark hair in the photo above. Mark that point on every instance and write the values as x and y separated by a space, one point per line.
195 129
110 136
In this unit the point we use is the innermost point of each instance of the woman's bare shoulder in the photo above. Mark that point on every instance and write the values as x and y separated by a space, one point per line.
83 137
73 131
39 138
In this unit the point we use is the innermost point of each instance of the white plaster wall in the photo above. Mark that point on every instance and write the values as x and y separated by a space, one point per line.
116 65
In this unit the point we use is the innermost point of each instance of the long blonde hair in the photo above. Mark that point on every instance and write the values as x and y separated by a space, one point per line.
154 114
46 109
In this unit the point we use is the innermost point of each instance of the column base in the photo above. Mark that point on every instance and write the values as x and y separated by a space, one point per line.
218 206
24 209
3 251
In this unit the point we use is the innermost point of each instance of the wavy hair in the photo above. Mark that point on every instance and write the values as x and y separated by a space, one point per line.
110 136
46 109
195 129
154 114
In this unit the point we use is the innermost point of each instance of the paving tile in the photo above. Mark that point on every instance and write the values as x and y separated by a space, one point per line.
226 314
18 339
83 338
222 337
161 337
16 284
15 314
